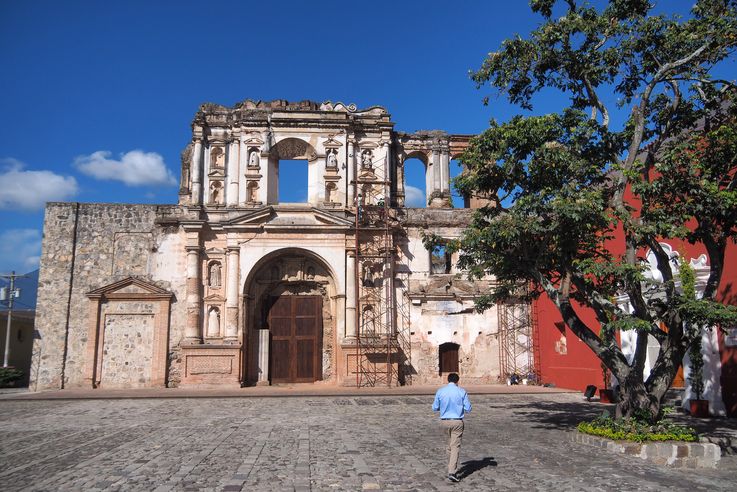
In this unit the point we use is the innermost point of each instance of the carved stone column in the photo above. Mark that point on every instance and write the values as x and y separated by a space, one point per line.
387 163
263 357
231 295
350 298
436 170
192 332
231 195
197 172
242 166
445 172
400 182
350 168
434 191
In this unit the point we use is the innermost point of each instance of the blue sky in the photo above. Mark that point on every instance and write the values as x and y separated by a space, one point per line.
88 87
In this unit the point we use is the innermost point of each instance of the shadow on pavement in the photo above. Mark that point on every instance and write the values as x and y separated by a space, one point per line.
563 416
470 467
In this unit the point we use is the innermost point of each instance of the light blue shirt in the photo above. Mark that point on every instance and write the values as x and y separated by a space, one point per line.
452 402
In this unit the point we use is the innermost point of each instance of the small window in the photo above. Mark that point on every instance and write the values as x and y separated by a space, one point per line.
448 357
440 259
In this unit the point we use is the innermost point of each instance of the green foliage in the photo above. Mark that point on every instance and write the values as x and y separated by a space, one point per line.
561 179
637 430
9 375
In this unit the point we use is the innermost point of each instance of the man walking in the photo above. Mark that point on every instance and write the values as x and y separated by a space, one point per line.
452 402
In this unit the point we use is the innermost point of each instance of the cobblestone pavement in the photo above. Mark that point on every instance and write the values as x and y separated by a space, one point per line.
511 442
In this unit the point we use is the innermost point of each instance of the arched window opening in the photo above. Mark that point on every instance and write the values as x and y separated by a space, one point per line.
293 180
415 184
458 200
448 357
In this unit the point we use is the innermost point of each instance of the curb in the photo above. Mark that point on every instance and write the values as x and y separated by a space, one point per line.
669 453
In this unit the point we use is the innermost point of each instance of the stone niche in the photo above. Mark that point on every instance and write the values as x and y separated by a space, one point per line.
128 335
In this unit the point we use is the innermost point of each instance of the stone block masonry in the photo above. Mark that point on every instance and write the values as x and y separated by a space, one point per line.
674 454
85 246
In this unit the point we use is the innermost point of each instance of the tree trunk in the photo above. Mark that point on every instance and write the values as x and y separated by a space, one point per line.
636 402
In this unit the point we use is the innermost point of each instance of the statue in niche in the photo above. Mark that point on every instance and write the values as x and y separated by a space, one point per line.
368 277
310 273
367 159
253 159
329 189
252 191
215 274
216 195
332 160
213 322
218 157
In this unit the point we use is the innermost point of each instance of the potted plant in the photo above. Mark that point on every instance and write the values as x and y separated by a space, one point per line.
606 394
9 376
699 408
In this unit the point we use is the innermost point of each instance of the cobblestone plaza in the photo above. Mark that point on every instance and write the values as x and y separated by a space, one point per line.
512 442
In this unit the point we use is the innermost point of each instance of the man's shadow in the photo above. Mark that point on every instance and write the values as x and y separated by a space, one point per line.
470 467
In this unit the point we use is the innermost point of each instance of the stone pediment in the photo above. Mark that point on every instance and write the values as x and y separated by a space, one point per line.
286 217
331 143
214 298
254 142
130 287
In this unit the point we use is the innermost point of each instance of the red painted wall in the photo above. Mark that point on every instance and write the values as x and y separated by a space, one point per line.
579 367
565 360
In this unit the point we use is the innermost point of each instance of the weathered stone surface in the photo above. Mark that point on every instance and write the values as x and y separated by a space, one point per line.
230 246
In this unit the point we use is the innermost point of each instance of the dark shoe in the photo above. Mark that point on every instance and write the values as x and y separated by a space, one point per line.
453 477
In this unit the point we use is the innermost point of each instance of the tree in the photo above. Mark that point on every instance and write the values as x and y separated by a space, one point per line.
580 198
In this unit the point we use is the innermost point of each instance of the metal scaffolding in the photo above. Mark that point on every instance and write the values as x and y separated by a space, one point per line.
382 334
517 343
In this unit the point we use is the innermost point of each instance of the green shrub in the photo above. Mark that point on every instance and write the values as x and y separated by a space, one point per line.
632 429
9 375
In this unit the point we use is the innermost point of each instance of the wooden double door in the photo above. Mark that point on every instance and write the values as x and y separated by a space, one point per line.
295 324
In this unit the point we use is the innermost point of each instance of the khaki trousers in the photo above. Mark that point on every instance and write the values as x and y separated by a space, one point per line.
453 431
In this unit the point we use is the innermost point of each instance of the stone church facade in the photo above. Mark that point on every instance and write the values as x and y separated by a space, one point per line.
232 287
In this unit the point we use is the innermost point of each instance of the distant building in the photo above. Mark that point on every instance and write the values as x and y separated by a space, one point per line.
21 329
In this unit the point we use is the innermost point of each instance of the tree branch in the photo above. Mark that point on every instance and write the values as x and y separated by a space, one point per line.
596 101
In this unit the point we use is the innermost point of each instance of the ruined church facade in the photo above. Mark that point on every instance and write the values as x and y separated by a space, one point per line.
233 287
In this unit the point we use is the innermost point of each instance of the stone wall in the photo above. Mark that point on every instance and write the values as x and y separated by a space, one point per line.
86 246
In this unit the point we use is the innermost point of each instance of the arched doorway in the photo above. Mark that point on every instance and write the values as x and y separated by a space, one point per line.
290 322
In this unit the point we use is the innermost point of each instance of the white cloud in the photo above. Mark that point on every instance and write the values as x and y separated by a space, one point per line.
30 190
20 250
135 168
414 197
